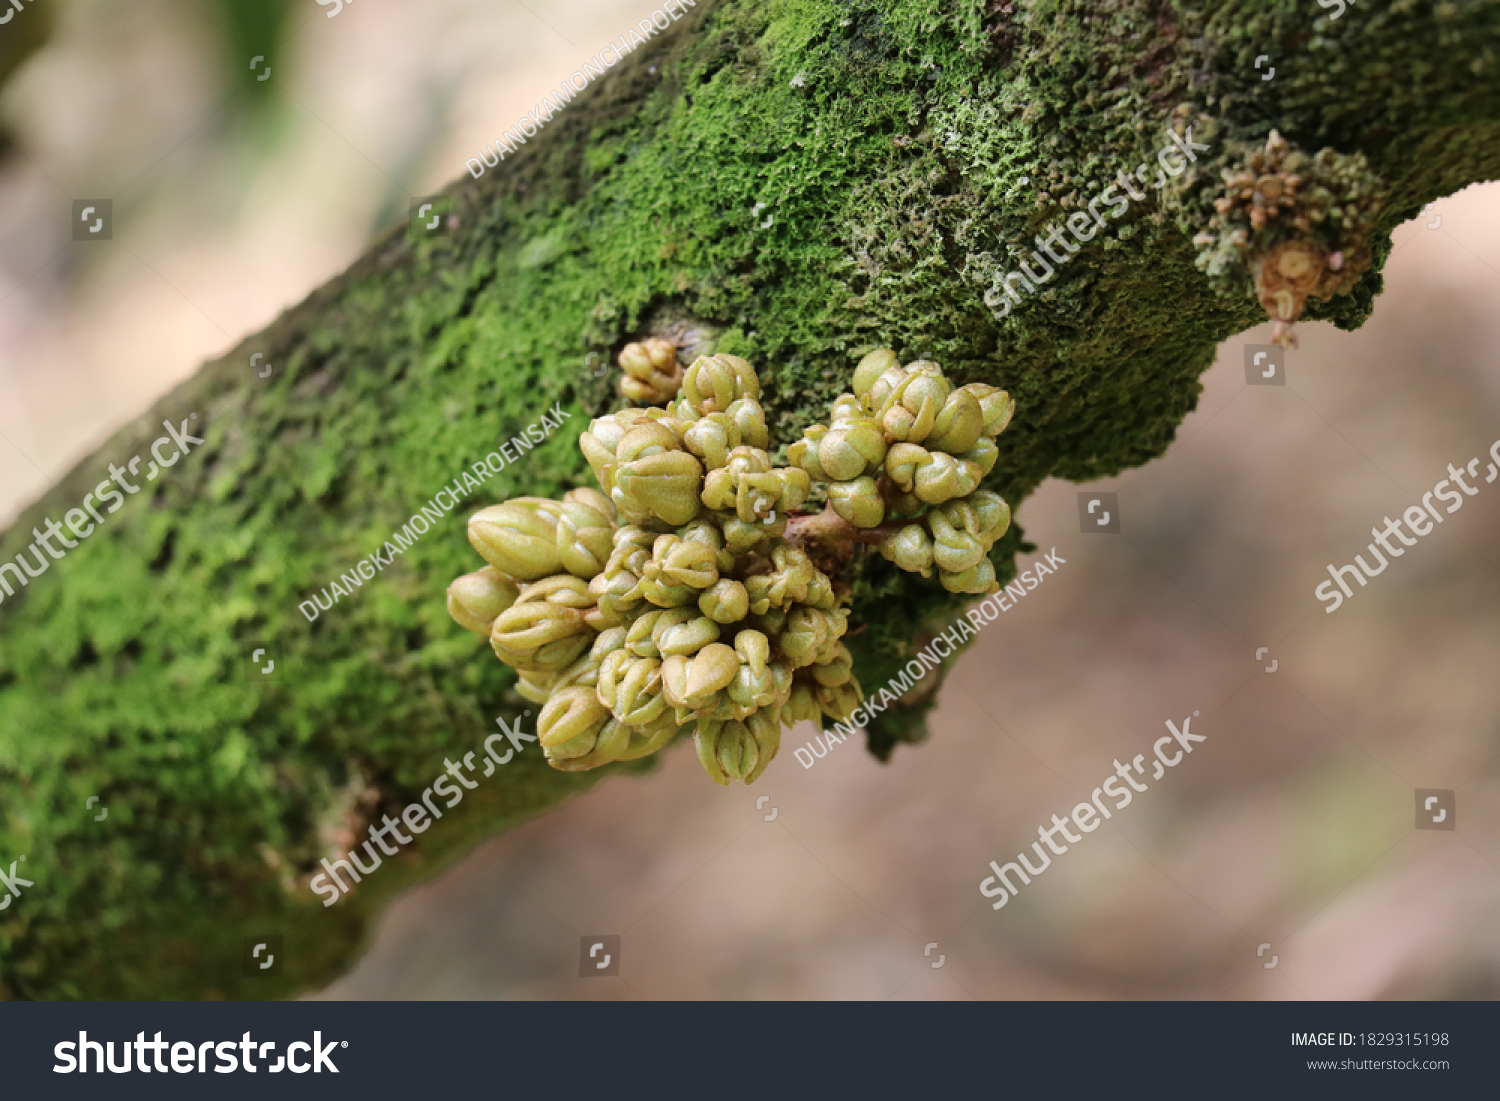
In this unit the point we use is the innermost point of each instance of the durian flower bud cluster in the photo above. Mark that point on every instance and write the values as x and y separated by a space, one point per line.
668 599
908 448
652 374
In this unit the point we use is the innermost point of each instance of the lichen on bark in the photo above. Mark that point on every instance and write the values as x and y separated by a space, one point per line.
887 141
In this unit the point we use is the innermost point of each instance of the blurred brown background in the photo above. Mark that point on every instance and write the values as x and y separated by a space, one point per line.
1292 824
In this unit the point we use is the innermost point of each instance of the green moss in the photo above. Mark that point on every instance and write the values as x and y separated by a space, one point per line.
886 140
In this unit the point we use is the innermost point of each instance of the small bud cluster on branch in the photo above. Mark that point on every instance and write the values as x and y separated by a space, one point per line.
903 455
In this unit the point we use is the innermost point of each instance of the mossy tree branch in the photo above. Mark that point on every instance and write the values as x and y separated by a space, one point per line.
888 140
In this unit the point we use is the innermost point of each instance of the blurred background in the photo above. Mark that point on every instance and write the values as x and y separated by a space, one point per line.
1291 826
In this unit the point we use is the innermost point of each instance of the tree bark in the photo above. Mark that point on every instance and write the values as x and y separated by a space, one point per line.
796 182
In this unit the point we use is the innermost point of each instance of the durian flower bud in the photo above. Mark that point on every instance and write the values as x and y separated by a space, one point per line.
955 546
910 548
695 683
996 404
598 446
687 561
540 637
585 539
820 593
913 406
726 750
711 438
631 688
561 589
516 540
858 502
765 727
806 630
846 407
536 687
750 419
802 705
646 437
978 579
992 514
713 383
617 592
871 368
769 622
804 453
958 425
839 701
683 631
569 716
753 686
476 599
983 455
595 500
652 374
725 601
664 485
647 738
840 670
741 537
852 448
640 634
884 386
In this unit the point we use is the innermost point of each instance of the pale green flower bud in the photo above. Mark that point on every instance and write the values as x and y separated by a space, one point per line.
741 537
910 549
726 750
647 738
694 683
934 476
609 744
536 687
570 714
686 561
912 408
683 631
978 579
617 592
992 514
885 384
839 701
997 406
713 383
750 419
806 630
652 374
802 705
725 601
769 622
711 438
753 686
872 367
562 589
476 599
852 448
845 408
585 538
765 727
983 455
540 637
646 437
804 453
594 500
516 540
958 424
858 502
631 688
820 593
665 485
831 674
954 546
